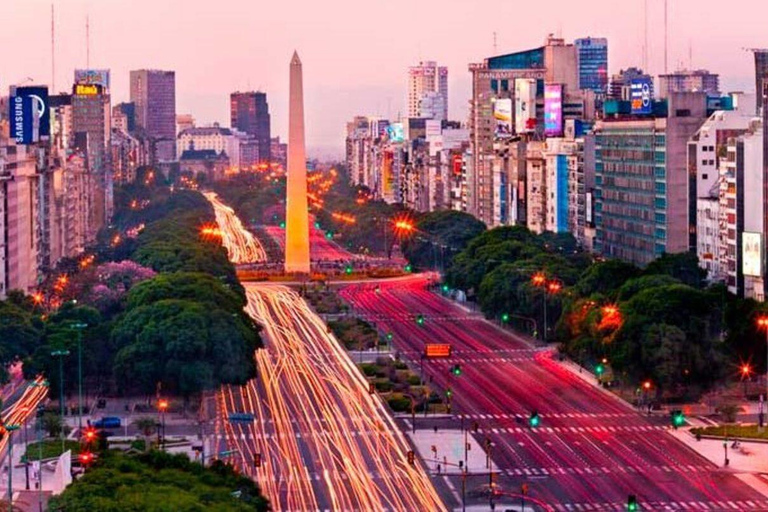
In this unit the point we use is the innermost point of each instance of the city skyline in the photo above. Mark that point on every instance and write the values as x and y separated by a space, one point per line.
229 55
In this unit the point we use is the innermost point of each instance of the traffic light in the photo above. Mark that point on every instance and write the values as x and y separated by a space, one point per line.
317 225
85 458
329 235
257 460
371 388
420 319
89 435
445 288
505 317
534 420
389 336
408 268
282 225
411 457
599 369
678 418
348 269
632 503
448 393
456 370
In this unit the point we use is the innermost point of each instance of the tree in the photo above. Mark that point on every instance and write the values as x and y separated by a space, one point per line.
53 424
605 277
440 235
147 427
682 266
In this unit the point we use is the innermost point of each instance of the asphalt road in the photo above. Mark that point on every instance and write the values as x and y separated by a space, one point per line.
590 451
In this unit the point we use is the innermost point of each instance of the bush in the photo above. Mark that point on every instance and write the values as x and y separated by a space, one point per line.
399 403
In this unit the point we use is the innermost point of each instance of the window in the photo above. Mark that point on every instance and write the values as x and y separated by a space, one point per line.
705 176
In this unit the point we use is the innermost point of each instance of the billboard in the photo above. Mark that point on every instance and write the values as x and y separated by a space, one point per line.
92 77
396 132
86 90
29 115
553 110
751 249
640 96
433 128
525 105
502 114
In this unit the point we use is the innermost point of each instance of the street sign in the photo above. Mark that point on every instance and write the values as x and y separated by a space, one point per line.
241 417
437 350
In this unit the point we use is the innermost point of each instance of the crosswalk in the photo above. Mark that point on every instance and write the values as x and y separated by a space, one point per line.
596 471
572 415
719 506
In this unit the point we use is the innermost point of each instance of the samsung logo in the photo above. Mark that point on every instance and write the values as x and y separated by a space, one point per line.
18 118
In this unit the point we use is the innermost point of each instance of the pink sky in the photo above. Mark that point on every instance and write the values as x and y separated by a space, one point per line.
355 52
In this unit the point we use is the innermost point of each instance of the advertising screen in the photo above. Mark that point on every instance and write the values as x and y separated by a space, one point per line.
92 77
502 114
396 132
29 115
553 110
751 248
640 96
86 89
525 105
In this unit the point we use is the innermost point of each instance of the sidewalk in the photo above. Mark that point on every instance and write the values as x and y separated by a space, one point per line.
751 458
449 446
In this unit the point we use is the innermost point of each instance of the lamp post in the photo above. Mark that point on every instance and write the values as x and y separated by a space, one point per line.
10 429
79 326
61 354
162 406
762 323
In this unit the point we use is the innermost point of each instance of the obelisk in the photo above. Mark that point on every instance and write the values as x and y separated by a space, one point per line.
296 214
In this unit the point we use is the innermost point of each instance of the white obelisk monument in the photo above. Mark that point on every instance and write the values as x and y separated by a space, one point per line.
296 214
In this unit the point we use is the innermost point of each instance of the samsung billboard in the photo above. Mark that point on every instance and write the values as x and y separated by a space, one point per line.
640 96
553 110
29 115
502 114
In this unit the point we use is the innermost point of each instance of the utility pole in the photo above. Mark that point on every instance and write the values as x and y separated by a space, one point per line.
79 326
61 354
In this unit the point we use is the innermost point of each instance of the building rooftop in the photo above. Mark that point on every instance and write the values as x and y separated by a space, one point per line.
206 130
202 154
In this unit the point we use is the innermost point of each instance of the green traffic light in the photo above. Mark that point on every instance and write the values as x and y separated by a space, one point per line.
445 288
282 225
534 420
599 369
456 370
448 393
317 225
408 268
505 317
389 336
328 235
420 319
348 270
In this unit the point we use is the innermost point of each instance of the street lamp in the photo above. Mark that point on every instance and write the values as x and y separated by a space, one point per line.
10 429
762 323
162 406
745 372
61 354
79 326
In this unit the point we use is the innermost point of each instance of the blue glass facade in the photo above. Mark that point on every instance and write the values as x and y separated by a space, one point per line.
593 64
562 194
529 59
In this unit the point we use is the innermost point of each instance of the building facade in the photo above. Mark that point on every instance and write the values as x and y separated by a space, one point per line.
153 93
698 80
592 55
249 112
426 82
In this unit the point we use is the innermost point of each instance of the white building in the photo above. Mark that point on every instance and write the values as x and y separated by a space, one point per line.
423 79
210 138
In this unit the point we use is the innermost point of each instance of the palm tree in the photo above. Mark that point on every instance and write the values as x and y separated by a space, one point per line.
147 427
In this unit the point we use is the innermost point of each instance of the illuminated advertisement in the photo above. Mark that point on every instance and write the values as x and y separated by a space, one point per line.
92 77
29 115
525 105
396 132
86 90
751 248
502 115
640 96
553 110
387 176
458 164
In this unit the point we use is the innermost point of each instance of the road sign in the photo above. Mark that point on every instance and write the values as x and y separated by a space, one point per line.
437 350
241 417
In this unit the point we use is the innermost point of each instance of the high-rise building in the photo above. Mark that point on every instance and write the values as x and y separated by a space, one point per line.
761 73
493 89
592 55
424 79
698 80
250 114
642 179
620 84
153 92
92 127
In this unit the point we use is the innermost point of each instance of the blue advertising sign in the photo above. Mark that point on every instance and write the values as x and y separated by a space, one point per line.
640 96
553 110
396 132
28 104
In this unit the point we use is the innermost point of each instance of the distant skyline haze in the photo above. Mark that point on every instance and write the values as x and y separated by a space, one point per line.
355 54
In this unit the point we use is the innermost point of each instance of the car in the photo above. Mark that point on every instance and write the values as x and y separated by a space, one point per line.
108 422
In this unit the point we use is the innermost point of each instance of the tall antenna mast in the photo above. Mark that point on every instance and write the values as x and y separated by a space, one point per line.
495 50
690 54
53 53
87 42
645 36
666 35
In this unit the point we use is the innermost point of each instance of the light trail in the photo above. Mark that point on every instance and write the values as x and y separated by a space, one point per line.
241 245
325 441
23 408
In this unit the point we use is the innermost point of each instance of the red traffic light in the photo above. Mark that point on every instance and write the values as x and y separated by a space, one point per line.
86 458
89 434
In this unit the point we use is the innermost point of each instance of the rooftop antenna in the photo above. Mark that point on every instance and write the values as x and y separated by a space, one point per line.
53 53
645 36
495 50
666 35
690 54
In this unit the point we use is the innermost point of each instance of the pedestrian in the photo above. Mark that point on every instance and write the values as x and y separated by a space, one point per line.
435 429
